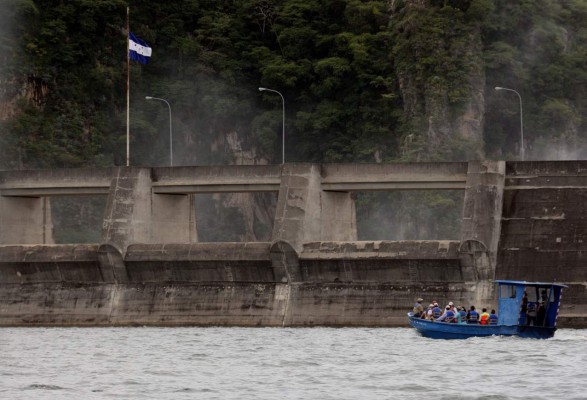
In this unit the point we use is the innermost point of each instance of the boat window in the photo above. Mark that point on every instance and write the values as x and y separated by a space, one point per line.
507 292
533 294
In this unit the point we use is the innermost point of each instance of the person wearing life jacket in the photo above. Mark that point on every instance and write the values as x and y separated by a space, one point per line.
531 313
472 316
493 318
447 316
453 309
436 311
484 319
463 315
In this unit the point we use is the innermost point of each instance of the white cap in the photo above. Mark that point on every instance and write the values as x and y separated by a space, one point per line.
450 303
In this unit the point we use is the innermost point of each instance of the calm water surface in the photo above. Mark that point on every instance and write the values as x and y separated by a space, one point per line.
272 363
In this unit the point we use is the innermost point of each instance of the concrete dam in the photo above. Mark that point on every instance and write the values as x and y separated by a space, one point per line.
521 220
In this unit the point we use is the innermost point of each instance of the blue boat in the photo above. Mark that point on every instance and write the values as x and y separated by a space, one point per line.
515 299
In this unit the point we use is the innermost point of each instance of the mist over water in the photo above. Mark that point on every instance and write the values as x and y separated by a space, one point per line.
274 363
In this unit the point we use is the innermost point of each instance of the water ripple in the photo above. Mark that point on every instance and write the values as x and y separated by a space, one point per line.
40 386
273 363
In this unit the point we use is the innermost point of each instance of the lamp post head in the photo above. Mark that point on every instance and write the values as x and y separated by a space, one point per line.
498 88
148 98
262 89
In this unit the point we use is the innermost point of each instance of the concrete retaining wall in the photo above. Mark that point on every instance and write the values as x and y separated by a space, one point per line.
544 228
243 284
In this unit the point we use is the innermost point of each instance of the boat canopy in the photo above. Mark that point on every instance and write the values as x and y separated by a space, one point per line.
535 284
517 298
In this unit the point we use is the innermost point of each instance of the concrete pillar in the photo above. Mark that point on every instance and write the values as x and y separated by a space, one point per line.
285 262
127 218
305 213
339 218
174 218
482 215
25 220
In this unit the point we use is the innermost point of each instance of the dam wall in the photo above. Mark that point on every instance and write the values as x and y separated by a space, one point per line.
521 220
226 284
544 228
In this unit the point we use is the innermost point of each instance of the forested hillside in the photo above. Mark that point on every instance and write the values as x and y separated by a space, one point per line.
363 81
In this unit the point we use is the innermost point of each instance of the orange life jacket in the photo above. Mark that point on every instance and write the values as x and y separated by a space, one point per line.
484 318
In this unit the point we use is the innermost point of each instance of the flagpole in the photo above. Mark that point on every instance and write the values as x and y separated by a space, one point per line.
127 88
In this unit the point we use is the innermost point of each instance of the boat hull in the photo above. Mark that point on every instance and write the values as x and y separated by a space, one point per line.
442 330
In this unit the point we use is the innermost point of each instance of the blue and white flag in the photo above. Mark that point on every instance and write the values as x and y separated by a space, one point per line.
138 50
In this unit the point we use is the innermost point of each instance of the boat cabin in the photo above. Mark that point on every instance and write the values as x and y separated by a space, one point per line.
528 303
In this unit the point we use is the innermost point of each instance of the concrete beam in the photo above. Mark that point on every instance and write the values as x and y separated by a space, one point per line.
217 179
398 249
56 182
386 186
217 188
394 176
54 191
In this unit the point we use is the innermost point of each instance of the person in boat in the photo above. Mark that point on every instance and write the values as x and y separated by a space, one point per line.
418 309
484 318
531 313
525 302
453 308
436 311
458 316
472 316
447 316
429 312
524 309
463 315
540 314
493 318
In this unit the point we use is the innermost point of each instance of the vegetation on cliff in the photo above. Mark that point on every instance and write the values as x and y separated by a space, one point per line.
363 81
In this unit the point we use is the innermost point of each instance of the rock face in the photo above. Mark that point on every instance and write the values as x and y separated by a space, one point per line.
441 77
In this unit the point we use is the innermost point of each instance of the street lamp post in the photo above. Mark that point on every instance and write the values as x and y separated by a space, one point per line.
521 120
262 89
170 131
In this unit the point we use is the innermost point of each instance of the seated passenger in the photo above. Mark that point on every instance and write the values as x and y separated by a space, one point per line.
472 316
484 319
463 314
457 312
418 310
453 308
436 311
429 312
493 318
447 316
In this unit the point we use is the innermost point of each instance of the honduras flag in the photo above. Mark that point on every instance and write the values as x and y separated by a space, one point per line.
138 49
